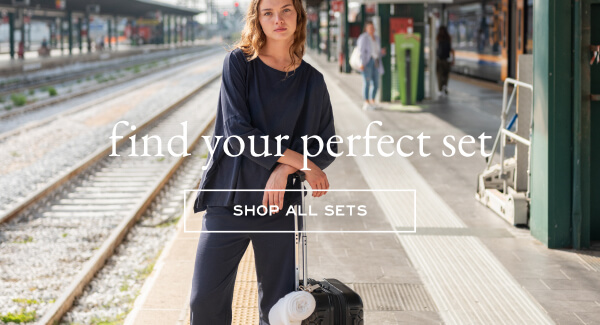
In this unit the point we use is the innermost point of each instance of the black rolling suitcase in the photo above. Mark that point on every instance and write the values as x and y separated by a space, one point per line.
337 304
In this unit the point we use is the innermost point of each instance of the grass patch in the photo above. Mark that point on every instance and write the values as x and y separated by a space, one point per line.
144 272
169 222
109 321
124 287
14 154
52 91
160 158
2 99
31 92
136 68
18 99
27 239
26 301
8 107
64 235
22 317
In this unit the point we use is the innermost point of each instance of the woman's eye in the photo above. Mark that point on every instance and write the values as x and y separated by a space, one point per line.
267 13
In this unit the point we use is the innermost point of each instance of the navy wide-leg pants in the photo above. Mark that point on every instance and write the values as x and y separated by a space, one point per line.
219 254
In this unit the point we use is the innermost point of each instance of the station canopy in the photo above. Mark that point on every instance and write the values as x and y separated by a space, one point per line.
134 8
316 3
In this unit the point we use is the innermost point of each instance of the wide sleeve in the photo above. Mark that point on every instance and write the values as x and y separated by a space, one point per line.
236 115
326 132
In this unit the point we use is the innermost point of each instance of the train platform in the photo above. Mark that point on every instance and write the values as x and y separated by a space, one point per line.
462 265
58 58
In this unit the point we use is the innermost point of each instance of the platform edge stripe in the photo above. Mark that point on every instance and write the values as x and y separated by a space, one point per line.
445 271
518 301
444 244
447 312
468 265
525 296
483 272
512 289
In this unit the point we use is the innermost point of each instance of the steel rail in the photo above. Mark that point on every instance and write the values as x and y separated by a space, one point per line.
95 157
62 305
65 97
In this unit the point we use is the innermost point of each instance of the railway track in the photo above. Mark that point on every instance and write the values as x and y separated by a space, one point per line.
97 201
61 98
27 84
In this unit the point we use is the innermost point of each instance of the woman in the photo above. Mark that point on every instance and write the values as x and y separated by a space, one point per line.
371 64
267 90
444 49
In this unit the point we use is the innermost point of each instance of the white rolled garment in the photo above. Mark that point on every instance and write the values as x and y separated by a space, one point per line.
292 309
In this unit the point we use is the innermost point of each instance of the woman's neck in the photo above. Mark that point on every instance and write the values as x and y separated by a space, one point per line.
277 50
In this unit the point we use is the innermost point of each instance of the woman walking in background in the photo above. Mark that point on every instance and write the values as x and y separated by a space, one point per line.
267 91
371 63
444 49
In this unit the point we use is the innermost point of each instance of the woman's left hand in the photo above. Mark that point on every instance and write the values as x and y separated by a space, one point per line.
277 181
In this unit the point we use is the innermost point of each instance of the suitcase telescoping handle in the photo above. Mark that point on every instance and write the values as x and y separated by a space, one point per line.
300 238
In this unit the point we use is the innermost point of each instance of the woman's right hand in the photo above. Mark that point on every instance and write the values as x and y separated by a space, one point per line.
317 180
362 67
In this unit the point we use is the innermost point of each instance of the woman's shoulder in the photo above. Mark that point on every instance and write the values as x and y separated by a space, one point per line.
237 54
315 76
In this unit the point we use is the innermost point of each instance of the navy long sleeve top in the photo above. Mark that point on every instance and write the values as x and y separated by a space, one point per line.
258 100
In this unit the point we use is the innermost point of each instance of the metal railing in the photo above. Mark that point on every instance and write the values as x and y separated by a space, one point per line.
503 132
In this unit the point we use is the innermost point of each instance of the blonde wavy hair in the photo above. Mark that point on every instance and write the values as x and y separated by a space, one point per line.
253 38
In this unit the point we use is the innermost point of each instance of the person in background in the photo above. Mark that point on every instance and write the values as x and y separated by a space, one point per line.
371 63
444 49
21 50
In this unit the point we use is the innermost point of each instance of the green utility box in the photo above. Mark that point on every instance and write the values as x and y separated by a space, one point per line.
407 63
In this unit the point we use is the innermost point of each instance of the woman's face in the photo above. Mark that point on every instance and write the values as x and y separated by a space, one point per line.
278 19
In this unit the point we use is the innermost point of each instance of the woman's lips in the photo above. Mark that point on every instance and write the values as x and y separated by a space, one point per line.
280 29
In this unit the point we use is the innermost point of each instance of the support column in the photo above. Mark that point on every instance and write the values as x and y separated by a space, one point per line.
363 16
193 27
186 30
319 34
328 49
70 19
61 32
116 32
383 11
346 38
169 30
550 217
109 33
11 35
87 33
50 34
28 47
79 36
22 27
